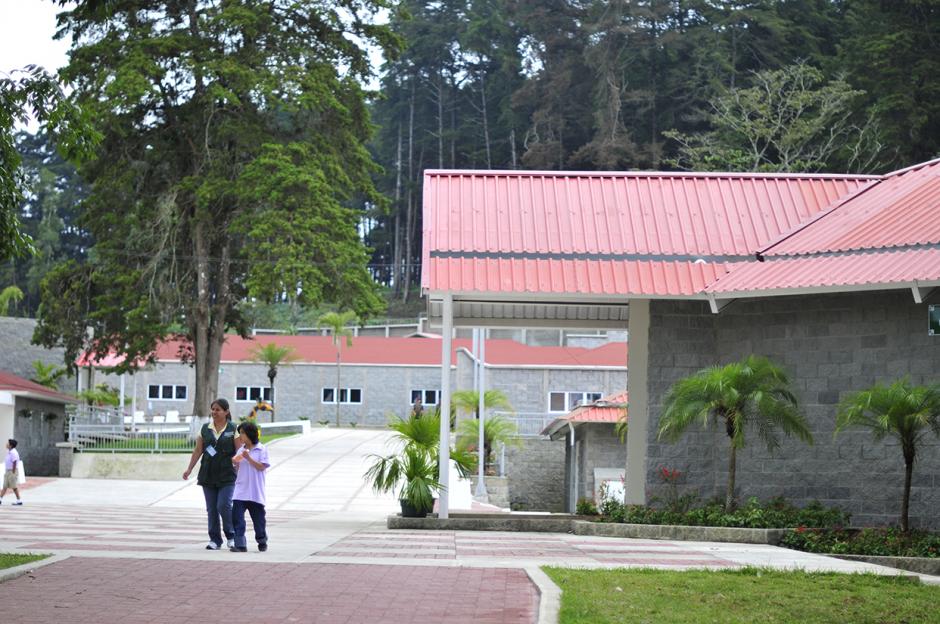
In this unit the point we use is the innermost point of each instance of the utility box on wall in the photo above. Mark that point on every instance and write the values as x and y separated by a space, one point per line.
933 320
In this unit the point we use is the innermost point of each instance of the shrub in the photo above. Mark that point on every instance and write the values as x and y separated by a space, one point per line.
776 513
586 507
889 542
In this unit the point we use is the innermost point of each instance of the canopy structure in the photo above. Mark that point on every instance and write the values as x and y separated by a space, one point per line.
591 249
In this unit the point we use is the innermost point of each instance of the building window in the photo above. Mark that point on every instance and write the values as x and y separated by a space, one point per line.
252 394
347 396
168 392
428 397
567 401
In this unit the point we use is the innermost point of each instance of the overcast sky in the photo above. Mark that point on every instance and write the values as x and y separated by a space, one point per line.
26 30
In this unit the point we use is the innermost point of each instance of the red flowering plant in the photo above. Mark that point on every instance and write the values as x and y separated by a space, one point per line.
674 501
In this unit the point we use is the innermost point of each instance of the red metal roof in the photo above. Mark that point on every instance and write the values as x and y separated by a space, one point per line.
902 209
883 268
17 385
375 350
627 233
607 409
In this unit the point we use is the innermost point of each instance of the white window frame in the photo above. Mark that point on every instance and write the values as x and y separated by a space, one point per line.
424 396
571 399
265 394
346 401
173 389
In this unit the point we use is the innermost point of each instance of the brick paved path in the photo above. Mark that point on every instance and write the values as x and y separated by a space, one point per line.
84 590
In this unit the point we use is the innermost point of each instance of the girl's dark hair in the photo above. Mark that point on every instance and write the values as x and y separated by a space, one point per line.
13 443
250 429
224 405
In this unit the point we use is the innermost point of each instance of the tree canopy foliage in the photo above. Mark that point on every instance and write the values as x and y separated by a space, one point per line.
233 146
618 85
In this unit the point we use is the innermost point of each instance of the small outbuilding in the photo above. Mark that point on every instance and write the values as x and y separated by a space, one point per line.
35 416
594 451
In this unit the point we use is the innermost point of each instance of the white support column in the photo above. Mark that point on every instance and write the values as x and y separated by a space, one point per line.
475 352
638 408
447 332
121 398
481 492
134 397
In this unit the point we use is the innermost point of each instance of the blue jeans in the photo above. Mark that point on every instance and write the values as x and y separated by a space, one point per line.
256 511
219 504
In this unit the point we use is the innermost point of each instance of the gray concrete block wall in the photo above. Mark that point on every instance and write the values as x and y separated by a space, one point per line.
17 354
38 434
831 345
536 475
600 448
298 388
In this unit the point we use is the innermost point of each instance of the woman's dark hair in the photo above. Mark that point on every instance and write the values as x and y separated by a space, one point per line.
250 429
224 405
13 443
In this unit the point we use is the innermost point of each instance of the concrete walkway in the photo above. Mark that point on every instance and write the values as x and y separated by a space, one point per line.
138 547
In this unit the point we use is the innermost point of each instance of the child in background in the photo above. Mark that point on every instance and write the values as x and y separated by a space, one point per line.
9 475
251 460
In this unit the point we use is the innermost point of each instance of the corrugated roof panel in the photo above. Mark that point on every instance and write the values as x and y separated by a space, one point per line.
902 209
565 232
850 269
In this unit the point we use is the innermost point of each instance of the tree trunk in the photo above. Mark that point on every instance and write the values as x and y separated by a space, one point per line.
440 120
396 240
410 195
336 392
729 495
906 497
486 125
272 373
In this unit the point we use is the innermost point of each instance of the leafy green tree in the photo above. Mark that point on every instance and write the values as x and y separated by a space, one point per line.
902 411
273 355
789 120
891 50
48 375
338 324
10 294
32 92
234 137
753 393
496 430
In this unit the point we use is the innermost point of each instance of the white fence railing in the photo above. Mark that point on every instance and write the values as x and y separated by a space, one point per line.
528 424
106 429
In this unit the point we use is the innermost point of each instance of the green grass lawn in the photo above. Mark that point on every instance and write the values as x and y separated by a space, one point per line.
167 445
8 560
746 596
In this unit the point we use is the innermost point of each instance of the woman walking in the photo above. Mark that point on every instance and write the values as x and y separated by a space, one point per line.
216 446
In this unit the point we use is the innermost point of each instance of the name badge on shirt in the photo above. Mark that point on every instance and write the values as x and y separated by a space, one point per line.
211 451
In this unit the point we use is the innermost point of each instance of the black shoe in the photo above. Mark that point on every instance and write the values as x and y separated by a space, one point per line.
262 547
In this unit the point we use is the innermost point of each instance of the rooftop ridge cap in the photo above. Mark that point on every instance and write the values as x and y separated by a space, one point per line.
648 174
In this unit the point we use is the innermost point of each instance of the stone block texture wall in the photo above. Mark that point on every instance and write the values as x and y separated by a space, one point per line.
37 435
536 475
598 447
831 345
17 354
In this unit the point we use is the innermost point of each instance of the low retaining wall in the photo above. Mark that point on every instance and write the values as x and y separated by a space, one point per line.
562 523
144 466
920 565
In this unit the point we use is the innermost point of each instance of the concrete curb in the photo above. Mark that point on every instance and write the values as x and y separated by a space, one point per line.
920 565
17 571
549 595
569 524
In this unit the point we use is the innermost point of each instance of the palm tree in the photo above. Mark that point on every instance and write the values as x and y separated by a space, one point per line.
903 411
416 464
338 324
469 401
273 355
47 375
10 294
751 393
496 429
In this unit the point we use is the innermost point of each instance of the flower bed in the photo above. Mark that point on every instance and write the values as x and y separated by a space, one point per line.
776 513
888 542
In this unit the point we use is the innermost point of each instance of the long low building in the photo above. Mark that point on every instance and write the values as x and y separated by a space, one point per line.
377 377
